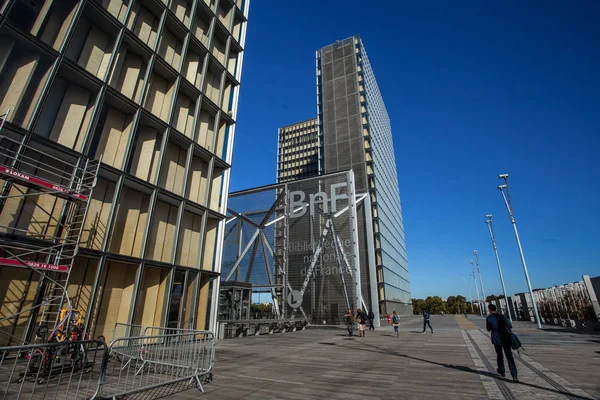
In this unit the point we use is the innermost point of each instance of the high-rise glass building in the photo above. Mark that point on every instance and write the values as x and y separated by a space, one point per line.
150 88
356 133
298 151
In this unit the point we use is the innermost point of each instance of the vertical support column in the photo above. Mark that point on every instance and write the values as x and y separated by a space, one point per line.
371 262
286 232
353 226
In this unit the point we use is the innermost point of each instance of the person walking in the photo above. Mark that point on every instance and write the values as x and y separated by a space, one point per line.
349 321
361 318
426 322
389 319
371 317
466 316
396 323
502 341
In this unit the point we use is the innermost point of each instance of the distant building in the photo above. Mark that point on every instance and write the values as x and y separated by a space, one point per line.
298 151
356 133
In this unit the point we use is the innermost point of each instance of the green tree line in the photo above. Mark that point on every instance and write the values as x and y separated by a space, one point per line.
436 305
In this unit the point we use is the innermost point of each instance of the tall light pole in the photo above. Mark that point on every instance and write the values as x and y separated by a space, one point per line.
509 207
476 287
469 287
488 221
480 281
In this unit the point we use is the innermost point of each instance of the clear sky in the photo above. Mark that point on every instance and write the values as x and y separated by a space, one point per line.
473 89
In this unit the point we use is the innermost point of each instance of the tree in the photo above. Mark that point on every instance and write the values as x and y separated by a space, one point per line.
456 304
451 304
418 306
491 297
435 304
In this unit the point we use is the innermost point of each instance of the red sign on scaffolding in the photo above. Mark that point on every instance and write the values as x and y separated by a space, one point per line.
33 264
40 182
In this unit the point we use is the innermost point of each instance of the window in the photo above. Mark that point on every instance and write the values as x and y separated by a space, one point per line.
24 70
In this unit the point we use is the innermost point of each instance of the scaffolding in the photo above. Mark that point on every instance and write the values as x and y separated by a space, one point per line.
30 177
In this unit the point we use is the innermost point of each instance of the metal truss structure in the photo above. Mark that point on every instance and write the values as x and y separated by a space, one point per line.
343 265
261 234
49 240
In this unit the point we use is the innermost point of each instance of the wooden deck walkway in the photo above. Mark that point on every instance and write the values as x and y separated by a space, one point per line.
452 363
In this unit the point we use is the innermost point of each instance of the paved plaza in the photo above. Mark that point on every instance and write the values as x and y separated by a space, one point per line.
457 362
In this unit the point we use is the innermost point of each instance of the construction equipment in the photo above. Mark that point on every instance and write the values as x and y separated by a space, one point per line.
51 191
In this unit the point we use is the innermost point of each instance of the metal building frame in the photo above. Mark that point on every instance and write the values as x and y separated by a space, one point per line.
278 272
226 24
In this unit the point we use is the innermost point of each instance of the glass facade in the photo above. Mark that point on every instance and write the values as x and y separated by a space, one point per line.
356 133
150 87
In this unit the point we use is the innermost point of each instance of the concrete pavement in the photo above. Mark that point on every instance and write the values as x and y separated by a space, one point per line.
456 362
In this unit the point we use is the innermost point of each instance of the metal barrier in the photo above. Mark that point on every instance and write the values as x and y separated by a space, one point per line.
126 353
233 329
170 362
66 370
126 330
158 362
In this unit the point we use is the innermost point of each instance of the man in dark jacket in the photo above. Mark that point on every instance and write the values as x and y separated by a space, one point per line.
501 339
426 322
371 317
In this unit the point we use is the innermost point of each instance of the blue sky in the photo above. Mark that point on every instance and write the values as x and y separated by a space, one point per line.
473 89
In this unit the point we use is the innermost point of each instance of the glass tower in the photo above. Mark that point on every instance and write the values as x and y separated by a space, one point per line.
150 88
356 133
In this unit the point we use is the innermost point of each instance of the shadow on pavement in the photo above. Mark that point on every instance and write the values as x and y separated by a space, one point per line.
463 368
572 330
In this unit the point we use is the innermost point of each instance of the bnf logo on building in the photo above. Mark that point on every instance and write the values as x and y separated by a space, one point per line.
328 204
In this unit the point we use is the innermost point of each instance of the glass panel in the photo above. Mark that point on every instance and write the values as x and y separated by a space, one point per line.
94 229
193 67
184 115
112 136
92 47
67 113
175 306
118 8
188 309
23 71
170 48
203 300
128 73
152 297
209 244
130 223
173 169
162 232
18 288
158 100
144 24
189 243
116 294
47 20
206 128
146 154
182 9
198 180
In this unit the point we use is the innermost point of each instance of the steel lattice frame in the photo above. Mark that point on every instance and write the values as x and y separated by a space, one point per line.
279 215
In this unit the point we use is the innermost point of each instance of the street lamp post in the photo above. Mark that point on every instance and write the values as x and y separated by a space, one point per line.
469 287
480 281
488 221
509 207
476 287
